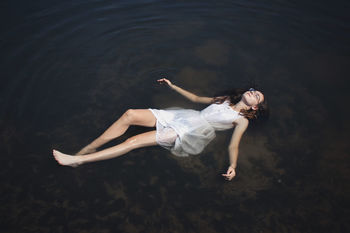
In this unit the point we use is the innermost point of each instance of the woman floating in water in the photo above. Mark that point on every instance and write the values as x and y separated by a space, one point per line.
182 131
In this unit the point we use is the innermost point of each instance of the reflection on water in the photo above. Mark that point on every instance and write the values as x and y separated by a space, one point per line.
70 69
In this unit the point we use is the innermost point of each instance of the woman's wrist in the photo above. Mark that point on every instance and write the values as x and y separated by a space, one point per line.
232 166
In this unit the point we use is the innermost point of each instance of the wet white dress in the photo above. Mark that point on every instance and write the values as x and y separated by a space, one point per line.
187 131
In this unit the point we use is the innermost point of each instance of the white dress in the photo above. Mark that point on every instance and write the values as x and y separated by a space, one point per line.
187 131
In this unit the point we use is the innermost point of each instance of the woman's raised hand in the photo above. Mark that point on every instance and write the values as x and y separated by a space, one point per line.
164 80
230 173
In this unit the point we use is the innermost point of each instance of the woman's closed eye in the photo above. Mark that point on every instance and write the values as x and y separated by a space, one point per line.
257 96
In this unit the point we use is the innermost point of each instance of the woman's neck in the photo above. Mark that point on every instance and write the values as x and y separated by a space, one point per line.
240 105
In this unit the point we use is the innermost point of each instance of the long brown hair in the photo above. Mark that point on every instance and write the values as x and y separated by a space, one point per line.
235 95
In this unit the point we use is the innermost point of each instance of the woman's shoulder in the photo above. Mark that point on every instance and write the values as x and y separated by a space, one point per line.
242 121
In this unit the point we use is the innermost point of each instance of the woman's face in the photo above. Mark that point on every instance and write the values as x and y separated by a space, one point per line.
253 98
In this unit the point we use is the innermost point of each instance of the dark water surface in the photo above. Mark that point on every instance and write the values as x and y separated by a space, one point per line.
70 68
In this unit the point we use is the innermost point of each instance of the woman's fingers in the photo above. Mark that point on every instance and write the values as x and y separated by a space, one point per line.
164 80
161 80
229 175
226 175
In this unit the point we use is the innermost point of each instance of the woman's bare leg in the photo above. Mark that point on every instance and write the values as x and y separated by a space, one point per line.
140 140
142 117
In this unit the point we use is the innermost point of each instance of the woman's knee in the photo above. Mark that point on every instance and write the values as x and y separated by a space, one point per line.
141 140
132 142
130 115
142 117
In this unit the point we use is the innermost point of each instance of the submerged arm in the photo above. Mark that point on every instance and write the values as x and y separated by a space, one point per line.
189 95
240 128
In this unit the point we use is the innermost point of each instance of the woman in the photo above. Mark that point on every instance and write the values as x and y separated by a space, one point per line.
182 131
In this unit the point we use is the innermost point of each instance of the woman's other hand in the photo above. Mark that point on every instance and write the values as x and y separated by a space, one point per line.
164 80
230 174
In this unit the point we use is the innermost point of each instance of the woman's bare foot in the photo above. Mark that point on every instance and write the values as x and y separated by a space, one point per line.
86 150
67 160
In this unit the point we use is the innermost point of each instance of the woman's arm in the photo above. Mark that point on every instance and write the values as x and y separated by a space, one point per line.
240 128
187 94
